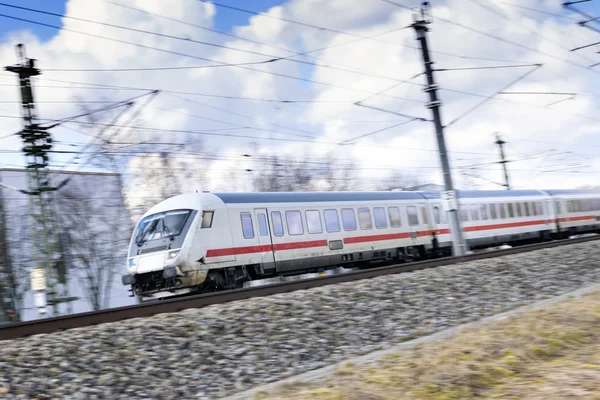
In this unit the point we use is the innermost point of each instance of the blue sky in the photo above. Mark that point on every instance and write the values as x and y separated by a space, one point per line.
225 19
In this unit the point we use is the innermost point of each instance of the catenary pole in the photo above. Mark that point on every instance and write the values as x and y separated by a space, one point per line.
451 205
48 276
503 160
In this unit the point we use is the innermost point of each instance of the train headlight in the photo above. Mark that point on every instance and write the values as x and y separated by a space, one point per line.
170 272
172 254
132 262
128 280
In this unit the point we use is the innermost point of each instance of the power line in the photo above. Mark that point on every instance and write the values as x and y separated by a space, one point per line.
515 22
196 57
151 68
114 87
303 54
540 11
272 58
313 134
541 93
493 95
377 131
322 28
492 36
487 67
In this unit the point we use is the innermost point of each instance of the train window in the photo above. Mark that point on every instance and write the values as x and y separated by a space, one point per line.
395 220
332 222
277 223
527 212
247 228
493 211
263 230
464 214
313 221
473 212
558 211
413 217
436 215
207 218
502 210
424 215
540 208
364 218
294 222
511 210
348 219
380 217
483 211
533 208
518 211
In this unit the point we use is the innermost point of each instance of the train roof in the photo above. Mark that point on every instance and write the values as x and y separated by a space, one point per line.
315 197
478 194
562 192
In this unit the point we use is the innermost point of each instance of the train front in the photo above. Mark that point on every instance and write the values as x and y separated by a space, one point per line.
157 263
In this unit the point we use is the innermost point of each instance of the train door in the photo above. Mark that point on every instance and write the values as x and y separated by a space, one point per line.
427 226
412 214
265 240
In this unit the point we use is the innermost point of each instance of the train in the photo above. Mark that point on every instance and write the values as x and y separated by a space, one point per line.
207 242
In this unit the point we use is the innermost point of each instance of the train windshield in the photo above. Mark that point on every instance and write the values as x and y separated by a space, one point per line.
161 225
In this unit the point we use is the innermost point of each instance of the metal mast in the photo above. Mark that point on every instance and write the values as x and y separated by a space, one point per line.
37 141
450 199
503 160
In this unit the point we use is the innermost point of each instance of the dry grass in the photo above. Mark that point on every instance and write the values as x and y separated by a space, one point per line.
552 353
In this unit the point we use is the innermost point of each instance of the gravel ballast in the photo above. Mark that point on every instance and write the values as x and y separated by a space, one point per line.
223 349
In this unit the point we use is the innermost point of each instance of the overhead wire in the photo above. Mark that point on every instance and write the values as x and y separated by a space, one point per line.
488 98
196 57
294 54
492 36
529 29
272 58
377 131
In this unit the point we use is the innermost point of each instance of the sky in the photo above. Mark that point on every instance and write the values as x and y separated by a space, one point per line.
305 104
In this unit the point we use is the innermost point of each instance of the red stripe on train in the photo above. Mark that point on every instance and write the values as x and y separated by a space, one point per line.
264 248
572 219
503 226
374 238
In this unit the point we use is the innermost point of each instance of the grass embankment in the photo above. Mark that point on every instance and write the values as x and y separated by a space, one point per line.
551 353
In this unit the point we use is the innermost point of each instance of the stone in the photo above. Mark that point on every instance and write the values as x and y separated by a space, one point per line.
223 349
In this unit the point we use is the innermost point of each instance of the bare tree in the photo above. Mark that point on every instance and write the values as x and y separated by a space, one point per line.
98 234
12 275
397 180
337 174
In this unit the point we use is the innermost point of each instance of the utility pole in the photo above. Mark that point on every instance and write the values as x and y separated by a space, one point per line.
451 205
48 275
503 160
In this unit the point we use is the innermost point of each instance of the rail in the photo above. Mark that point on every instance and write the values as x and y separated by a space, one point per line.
54 324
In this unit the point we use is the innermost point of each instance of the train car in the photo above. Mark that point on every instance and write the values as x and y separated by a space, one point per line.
204 242
574 211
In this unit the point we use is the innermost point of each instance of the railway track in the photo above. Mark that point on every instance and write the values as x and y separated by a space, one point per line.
49 325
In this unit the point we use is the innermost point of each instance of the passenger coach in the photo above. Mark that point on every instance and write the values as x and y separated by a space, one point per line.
205 242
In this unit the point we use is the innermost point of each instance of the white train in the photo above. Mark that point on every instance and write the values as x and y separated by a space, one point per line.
202 242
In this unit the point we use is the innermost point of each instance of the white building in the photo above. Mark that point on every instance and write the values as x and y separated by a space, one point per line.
92 229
